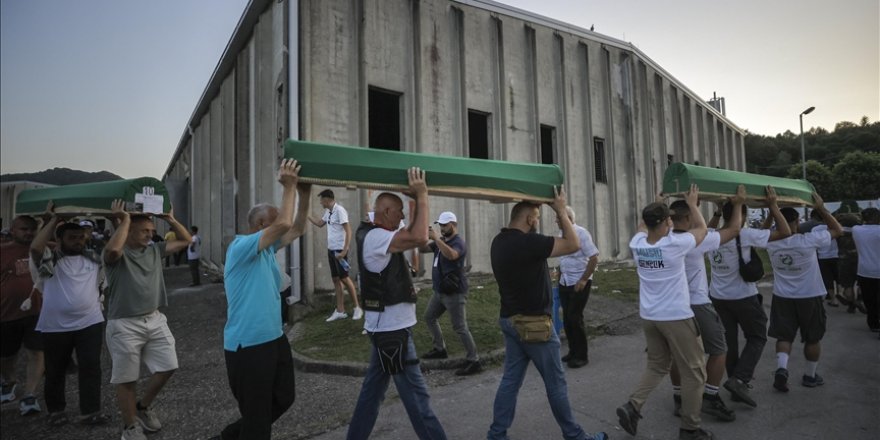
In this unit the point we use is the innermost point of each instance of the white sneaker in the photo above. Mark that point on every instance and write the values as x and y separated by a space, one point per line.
337 315
133 432
358 313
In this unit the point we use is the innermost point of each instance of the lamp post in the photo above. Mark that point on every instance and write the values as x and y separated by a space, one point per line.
803 154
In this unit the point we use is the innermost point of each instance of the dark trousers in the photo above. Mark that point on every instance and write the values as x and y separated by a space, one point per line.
57 349
746 314
573 304
194 271
177 257
870 288
262 381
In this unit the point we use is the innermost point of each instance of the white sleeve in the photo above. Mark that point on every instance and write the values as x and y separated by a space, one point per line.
587 246
818 239
341 215
755 237
711 242
376 243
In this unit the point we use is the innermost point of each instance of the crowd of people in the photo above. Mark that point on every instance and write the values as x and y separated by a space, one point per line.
66 291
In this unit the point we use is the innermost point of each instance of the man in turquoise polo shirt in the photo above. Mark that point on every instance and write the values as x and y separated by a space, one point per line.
258 360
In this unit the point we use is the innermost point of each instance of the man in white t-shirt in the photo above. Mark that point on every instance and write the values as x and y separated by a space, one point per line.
711 330
737 301
798 294
335 217
389 299
867 239
671 332
194 255
70 319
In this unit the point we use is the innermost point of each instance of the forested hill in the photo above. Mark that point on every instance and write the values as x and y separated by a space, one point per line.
842 164
61 176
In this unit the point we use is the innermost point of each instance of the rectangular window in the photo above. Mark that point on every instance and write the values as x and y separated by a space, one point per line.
384 119
670 159
599 159
548 144
478 134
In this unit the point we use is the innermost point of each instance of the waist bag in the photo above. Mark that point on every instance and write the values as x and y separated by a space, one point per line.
392 348
754 269
532 328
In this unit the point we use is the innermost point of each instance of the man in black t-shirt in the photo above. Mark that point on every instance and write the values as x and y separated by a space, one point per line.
519 262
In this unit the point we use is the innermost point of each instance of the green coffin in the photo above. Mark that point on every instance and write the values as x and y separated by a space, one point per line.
94 198
717 184
499 181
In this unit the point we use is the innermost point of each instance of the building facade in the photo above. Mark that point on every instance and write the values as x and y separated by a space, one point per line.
468 78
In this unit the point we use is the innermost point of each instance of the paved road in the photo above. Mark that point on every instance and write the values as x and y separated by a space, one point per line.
846 407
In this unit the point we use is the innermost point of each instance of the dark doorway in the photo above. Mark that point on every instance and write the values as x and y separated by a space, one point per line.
478 134
384 119
548 144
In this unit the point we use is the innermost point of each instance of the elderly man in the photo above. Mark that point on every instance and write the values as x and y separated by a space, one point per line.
389 299
258 359
450 292
137 332
575 282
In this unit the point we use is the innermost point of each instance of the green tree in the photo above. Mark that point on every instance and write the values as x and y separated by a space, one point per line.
817 174
857 176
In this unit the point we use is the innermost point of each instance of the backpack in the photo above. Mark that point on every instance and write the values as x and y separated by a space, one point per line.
754 269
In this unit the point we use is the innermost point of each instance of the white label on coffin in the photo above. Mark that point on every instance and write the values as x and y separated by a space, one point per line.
152 204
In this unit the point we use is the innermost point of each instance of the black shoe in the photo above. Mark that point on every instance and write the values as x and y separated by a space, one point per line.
435 354
780 380
714 406
472 367
740 389
697 434
577 363
676 403
812 382
566 358
628 418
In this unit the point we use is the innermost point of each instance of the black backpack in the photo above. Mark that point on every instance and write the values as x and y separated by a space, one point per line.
754 269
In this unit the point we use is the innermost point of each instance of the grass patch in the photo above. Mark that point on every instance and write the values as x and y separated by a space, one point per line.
617 282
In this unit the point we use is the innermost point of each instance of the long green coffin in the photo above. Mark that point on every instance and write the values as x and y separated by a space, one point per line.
96 198
337 165
717 184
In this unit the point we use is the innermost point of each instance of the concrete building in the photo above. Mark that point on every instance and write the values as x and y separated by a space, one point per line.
455 77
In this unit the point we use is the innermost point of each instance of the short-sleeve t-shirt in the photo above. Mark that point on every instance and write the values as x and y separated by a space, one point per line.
519 263
442 265
663 287
71 300
867 238
194 250
135 282
573 266
15 282
335 218
376 259
795 264
726 283
695 268
830 251
252 283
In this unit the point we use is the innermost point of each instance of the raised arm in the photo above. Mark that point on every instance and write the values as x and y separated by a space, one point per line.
782 229
833 225
304 192
447 251
569 242
416 235
288 176
114 247
698 223
183 237
716 216
38 246
731 229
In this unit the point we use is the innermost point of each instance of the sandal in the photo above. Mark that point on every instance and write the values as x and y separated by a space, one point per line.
94 419
58 419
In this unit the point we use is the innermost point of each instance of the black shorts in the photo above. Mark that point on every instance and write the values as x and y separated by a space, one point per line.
846 271
336 269
14 334
828 268
787 315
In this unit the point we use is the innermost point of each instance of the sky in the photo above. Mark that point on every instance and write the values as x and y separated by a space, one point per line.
110 85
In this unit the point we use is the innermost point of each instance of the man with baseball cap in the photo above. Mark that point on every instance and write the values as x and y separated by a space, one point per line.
450 291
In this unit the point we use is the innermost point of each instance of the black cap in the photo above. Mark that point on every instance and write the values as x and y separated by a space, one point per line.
326 193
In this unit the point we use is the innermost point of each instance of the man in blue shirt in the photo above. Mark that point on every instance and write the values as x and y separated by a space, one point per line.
258 359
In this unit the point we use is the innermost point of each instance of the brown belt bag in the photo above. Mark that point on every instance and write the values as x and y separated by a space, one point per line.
532 328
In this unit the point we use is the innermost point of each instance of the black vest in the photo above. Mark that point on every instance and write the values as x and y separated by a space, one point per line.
393 285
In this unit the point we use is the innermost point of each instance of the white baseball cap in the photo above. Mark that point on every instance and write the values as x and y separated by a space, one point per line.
446 217
87 224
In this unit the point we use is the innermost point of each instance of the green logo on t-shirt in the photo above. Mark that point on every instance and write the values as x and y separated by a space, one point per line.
717 258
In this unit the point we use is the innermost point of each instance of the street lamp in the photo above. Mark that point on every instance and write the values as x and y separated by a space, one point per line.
803 154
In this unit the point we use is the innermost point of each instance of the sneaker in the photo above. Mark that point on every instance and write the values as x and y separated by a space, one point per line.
133 432
697 434
598 436
472 367
676 403
357 314
94 419
780 380
8 392
58 418
812 382
336 316
628 418
436 354
740 389
29 406
714 406
148 419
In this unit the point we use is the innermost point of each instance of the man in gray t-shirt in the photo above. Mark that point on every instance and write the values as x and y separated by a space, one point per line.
136 331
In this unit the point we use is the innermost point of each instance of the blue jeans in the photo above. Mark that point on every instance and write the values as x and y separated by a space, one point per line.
413 393
545 356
